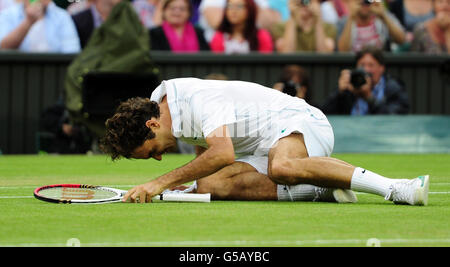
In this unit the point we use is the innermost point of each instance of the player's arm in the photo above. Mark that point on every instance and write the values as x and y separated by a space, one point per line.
220 153
199 150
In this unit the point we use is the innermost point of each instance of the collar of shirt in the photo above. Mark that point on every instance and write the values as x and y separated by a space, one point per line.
168 89
378 90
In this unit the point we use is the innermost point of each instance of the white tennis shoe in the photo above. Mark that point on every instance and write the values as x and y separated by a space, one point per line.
413 192
335 195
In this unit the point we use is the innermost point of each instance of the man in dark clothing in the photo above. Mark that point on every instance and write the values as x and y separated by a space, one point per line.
88 20
374 93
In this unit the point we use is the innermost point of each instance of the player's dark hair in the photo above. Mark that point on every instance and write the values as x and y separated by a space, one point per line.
126 129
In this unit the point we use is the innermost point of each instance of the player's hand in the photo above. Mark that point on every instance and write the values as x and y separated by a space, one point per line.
143 193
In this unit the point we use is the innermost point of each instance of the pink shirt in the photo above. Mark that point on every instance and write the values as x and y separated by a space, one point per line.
218 42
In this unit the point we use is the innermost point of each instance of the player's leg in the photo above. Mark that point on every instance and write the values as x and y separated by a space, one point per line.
238 181
289 163
242 181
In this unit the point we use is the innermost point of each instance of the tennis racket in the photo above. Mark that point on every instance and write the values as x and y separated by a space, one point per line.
91 194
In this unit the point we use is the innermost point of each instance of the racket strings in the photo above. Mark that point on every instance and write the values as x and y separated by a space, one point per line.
69 193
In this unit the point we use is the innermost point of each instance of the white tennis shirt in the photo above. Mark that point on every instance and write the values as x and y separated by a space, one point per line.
250 111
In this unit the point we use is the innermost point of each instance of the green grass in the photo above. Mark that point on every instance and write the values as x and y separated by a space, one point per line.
25 221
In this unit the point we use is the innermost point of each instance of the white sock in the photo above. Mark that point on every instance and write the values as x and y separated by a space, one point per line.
369 182
300 192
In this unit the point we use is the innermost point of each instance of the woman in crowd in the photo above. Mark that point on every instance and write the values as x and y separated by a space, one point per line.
433 36
177 33
410 13
238 32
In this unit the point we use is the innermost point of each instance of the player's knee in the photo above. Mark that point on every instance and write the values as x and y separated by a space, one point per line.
281 172
216 189
203 186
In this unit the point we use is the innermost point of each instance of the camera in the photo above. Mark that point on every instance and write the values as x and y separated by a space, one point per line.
358 78
291 88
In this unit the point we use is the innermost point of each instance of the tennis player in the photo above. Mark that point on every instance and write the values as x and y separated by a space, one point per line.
276 134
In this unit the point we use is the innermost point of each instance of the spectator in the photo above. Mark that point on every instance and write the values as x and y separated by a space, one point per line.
368 23
370 92
38 27
412 12
305 30
149 12
238 32
294 81
211 15
433 36
88 20
66 137
177 33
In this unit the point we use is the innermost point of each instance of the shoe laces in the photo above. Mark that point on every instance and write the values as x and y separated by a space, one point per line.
319 193
399 192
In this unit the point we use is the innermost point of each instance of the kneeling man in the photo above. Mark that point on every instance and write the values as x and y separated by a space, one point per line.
275 135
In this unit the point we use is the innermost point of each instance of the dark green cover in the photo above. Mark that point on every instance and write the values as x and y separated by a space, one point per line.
120 44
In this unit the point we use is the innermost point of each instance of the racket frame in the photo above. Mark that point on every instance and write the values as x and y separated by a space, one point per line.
117 198
186 197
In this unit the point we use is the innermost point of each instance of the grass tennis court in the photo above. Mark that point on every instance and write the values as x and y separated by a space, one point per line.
25 221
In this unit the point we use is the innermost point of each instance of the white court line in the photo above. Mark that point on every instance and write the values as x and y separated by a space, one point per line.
431 193
239 243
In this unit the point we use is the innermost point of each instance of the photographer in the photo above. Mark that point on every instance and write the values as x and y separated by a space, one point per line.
367 89
305 29
368 23
294 81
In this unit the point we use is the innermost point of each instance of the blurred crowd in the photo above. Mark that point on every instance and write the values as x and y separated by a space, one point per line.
367 28
236 26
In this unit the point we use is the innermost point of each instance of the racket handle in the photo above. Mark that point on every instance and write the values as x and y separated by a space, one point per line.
186 197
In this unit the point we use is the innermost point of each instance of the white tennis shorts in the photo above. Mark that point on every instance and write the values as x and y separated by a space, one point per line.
311 122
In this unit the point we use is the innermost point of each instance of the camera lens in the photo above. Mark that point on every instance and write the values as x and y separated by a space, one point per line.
358 78
290 88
